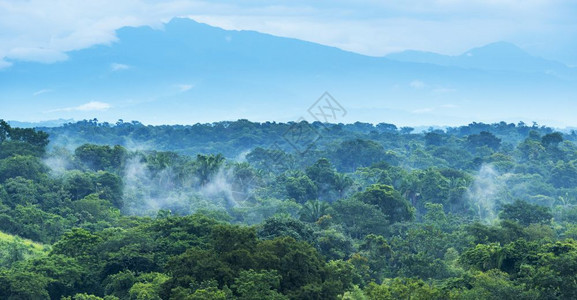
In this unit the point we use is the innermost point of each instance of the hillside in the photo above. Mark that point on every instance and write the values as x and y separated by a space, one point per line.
14 249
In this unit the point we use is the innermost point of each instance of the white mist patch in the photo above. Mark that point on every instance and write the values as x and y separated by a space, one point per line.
241 157
58 165
147 191
65 141
484 193
220 186
129 143
152 186
135 171
59 161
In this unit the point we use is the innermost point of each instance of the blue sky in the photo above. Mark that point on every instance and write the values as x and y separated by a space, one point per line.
40 30
47 31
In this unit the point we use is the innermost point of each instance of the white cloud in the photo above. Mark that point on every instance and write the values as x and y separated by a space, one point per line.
43 55
52 28
40 92
90 106
372 27
119 67
184 87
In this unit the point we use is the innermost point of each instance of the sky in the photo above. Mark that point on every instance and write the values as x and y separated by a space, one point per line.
43 31
46 31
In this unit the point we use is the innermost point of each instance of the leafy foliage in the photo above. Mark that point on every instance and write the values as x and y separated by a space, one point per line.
368 212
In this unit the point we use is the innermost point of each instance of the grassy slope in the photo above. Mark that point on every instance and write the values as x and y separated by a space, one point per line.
28 248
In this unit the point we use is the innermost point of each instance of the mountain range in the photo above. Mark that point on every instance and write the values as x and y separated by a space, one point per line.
188 72
498 56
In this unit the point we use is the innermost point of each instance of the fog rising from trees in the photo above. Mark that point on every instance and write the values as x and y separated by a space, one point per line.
241 210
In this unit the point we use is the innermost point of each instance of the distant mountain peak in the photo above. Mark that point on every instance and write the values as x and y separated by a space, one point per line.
497 49
497 56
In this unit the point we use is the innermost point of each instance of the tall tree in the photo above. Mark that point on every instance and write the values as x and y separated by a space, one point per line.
389 201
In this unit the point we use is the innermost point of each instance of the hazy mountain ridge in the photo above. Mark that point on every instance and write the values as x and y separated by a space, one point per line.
46 123
188 72
495 56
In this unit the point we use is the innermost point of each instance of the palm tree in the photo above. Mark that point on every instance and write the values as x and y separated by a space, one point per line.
312 210
342 183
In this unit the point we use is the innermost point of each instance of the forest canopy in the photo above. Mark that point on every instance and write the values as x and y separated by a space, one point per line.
246 210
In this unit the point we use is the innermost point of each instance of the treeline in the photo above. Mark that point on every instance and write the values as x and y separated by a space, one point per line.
232 138
359 212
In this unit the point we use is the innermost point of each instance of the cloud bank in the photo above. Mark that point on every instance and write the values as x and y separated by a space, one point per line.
51 28
90 106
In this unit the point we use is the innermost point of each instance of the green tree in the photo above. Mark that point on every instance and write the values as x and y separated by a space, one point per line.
79 243
30 136
97 157
351 154
15 285
324 177
21 141
312 210
110 187
484 138
359 218
564 175
495 284
435 138
66 275
301 189
342 183
119 284
334 244
207 166
20 191
195 265
28 167
378 253
4 131
483 257
148 286
403 288
91 210
526 213
552 139
278 227
38 225
389 201
253 285
298 263
79 184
